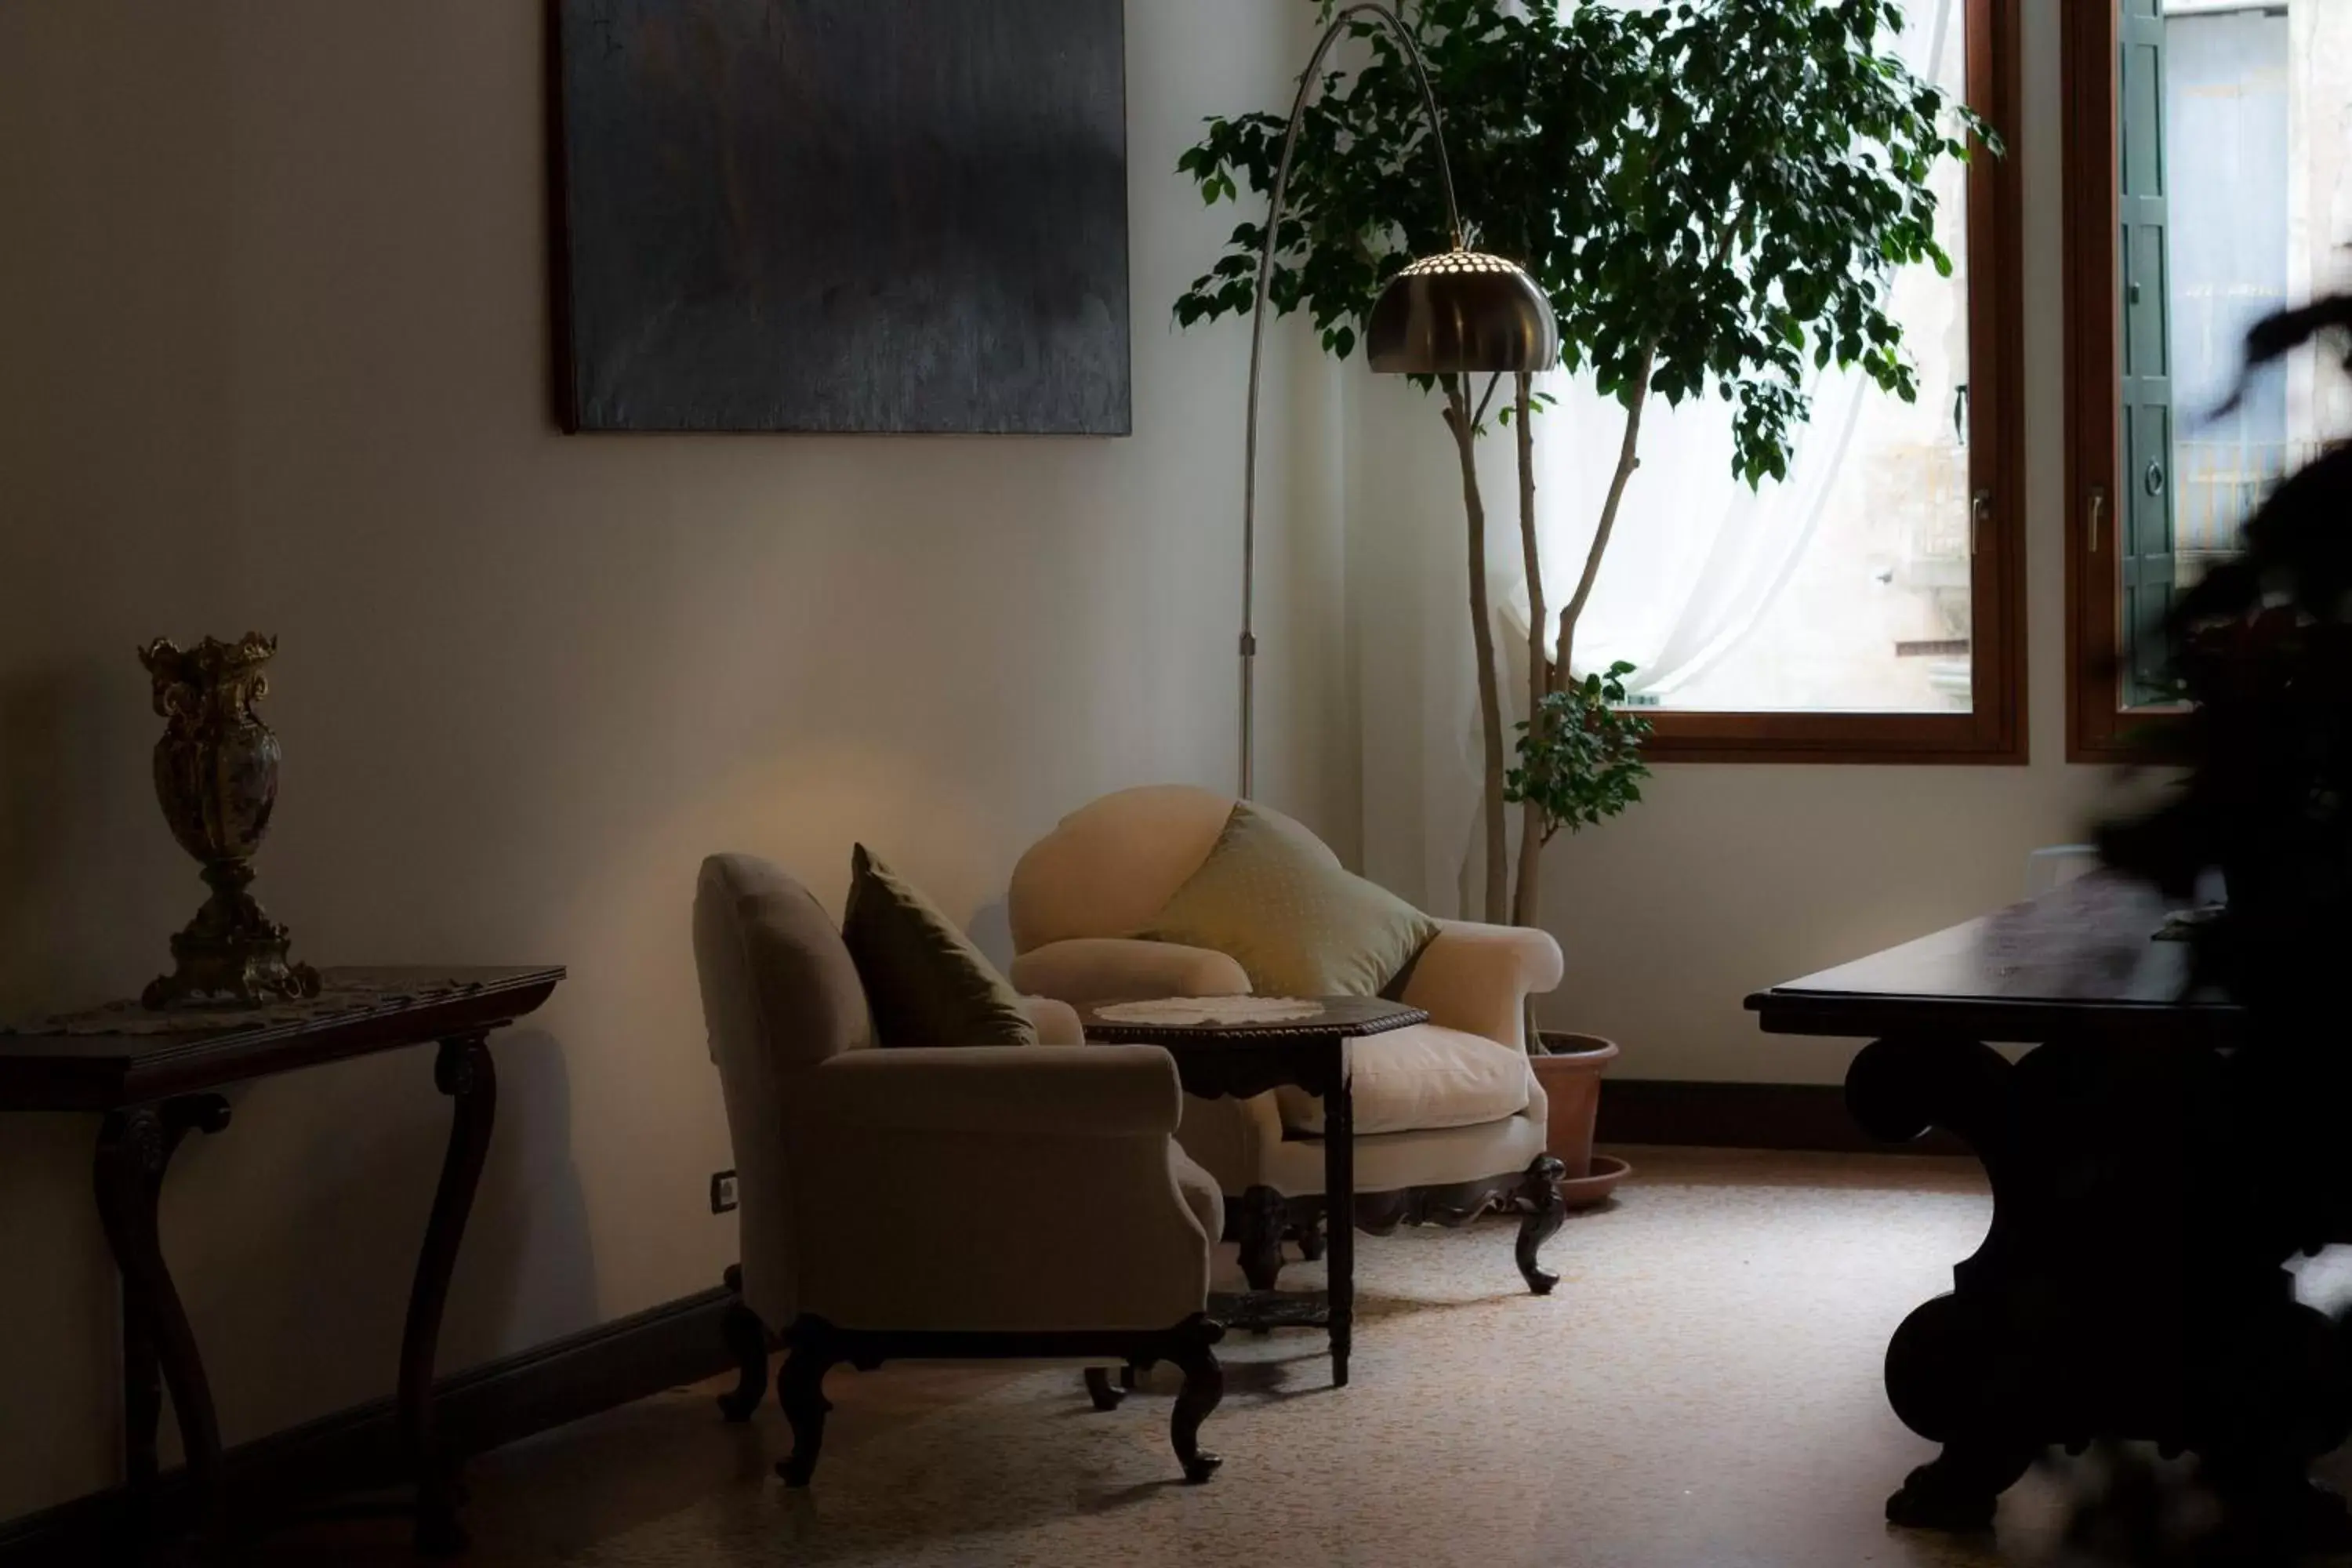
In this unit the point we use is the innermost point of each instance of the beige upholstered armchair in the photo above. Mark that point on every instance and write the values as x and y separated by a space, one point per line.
1449 1117
954 1201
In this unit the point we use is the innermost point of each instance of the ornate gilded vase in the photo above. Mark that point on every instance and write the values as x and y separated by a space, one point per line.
216 777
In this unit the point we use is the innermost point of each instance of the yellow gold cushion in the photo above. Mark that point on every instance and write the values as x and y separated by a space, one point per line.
1299 925
925 981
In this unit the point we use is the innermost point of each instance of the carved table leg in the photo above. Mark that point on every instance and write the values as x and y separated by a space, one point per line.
1547 1212
463 1071
134 1149
1952 1367
747 1341
1205 1387
1261 1218
142 1414
1310 1239
1340 1209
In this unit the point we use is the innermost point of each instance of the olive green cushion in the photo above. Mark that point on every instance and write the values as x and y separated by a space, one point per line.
1274 901
925 981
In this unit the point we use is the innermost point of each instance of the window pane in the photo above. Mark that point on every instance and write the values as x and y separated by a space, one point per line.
2226 93
2256 207
1845 588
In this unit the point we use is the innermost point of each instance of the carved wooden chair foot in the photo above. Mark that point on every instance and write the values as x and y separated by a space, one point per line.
1546 1212
747 1342
1105 1393
438 1534
800 1389
1205 1387
818 1346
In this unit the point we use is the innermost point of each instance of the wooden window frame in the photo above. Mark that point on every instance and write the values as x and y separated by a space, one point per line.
1994 733
2099 728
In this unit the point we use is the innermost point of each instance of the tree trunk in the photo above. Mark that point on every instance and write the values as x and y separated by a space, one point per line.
1527 906
1628 460
1461 421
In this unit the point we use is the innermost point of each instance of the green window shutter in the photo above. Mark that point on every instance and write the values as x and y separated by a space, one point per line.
2145 509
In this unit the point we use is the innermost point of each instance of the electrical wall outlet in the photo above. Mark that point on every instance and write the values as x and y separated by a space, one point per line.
722 1192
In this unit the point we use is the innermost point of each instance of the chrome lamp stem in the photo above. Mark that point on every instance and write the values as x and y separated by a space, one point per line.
1339 25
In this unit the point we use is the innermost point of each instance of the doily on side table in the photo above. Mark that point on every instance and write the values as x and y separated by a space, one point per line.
1193 1010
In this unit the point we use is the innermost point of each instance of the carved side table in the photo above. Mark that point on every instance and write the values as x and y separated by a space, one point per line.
157 1077
1242 1060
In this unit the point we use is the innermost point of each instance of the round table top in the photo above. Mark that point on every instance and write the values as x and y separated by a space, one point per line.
1334 1017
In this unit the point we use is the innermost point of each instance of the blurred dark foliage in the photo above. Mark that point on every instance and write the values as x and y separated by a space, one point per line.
2262 646
2130 1508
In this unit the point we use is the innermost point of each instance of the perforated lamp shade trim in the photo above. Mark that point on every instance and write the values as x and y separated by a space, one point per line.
1462 312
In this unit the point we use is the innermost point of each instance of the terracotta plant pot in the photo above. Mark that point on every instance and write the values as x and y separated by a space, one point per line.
1570 1076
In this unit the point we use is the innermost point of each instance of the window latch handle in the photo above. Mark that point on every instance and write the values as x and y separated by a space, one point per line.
2098 516
1979 512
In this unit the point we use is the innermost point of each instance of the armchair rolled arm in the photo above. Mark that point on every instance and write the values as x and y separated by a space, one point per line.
1477 978
1015 1091
1118 968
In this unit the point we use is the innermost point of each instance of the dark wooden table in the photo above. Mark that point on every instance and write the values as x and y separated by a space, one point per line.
1242 1059
2133 1281
155 1078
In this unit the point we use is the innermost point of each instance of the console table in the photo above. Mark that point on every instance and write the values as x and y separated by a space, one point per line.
155 1076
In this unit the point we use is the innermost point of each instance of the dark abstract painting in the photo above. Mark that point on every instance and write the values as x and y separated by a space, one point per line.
842 214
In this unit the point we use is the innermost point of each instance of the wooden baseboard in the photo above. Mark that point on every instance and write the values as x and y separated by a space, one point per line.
1793 1116
359 1448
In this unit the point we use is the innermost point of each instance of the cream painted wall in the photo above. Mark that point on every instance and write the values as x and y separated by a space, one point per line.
273 306
1728 877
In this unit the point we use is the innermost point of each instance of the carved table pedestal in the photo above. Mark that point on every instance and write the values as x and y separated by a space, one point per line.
2132 1284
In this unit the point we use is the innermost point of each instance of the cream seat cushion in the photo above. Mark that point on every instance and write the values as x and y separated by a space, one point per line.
1199 1191
1419 1080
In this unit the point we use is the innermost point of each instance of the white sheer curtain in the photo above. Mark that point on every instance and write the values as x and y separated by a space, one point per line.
1696 556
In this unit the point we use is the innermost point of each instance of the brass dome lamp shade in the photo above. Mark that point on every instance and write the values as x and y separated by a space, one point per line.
1459 312
1462 311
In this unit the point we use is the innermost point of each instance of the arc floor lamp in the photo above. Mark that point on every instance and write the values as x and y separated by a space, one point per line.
1458 312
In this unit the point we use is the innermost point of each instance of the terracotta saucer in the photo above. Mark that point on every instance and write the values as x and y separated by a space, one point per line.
1584 1191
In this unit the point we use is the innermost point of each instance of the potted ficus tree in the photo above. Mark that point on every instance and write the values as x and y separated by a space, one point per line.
1580 764
1715 194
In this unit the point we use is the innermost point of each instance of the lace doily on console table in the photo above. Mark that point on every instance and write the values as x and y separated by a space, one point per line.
1194 1010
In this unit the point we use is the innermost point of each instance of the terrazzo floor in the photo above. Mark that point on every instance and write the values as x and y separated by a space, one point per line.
1702 1389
